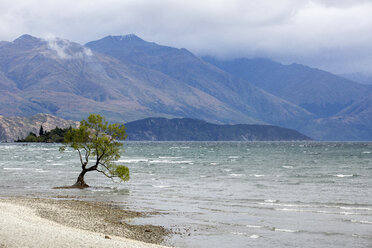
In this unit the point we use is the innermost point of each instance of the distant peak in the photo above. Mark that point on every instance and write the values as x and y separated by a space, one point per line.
128 37
26 38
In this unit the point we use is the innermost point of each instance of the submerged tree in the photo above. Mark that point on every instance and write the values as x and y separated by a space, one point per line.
96 141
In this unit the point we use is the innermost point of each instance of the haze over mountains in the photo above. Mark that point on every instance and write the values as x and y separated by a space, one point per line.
126 78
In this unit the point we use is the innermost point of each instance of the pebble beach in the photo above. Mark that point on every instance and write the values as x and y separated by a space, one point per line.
32 222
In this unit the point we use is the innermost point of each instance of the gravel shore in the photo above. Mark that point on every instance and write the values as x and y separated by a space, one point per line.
30 222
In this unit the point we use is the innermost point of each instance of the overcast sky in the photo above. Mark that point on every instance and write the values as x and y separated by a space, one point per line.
335 35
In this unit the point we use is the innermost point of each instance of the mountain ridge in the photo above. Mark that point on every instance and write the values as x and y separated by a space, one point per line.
192 70
156 129
187 129
126 78
321 93
62 70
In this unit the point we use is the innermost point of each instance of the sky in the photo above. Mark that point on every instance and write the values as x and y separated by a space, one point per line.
334 35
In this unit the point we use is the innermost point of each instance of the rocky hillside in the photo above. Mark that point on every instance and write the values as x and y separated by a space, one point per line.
162 129
13 128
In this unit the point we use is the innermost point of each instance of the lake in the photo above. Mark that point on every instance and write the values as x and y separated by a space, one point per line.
220 194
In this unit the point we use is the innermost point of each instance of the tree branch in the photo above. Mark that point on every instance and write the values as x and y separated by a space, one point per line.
87 154
109 176
104 166
100 157
81 159
94 167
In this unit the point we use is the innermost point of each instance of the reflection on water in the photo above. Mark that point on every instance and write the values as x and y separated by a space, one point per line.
227 194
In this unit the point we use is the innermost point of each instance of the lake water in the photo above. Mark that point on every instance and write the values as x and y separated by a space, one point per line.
228 194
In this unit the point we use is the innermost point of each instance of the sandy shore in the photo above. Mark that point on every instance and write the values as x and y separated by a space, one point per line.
28 222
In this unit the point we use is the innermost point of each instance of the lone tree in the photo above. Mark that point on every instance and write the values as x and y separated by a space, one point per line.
96 141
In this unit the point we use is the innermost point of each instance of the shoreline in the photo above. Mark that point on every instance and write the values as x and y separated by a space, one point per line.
35 222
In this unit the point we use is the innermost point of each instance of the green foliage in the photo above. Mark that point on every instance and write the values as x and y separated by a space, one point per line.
96 139
53 136
41 131
122 172
31 138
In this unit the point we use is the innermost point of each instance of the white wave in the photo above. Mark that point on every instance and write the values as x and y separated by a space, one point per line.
285 230
270 201
290 209
239 233
254 226
133 160
233 156
165 161
227 170
340 213
165 157
362 221
160 186
287 205
342 175
356 208
348 213
287 166
214 163
236 175
365 222
254 236
256 175
366 152
6 168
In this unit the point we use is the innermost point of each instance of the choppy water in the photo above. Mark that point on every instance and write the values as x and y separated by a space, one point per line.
221 194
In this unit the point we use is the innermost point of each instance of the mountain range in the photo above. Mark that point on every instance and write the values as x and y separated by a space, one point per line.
186 129
126 78
155 129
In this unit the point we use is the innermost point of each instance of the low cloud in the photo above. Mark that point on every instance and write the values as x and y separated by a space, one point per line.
330 34
64 49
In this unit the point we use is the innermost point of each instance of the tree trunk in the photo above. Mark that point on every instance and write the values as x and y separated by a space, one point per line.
80 183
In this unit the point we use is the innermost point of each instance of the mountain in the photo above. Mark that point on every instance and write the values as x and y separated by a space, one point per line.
186 129
354 123
321 93
66 79
184 66
363 78
13 128
126 78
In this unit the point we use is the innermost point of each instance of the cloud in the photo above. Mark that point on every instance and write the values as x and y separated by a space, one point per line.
65 49
331 34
